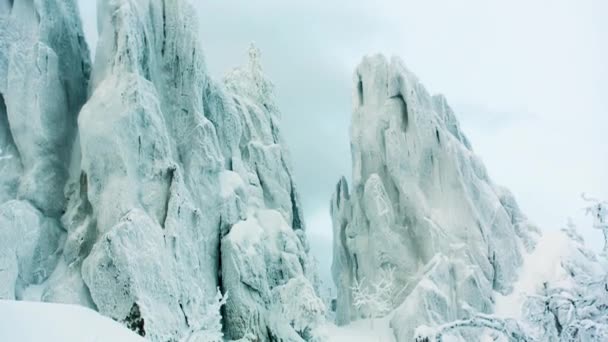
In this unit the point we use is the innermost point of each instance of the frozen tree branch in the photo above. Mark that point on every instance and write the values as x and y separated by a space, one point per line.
376 299
509 328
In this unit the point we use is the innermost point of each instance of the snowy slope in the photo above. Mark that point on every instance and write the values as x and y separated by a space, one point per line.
359 331
22 321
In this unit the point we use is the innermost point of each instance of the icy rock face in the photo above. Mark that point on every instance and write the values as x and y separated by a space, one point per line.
262 257
422 204
44 70
172 163
161 187
266 247
29 247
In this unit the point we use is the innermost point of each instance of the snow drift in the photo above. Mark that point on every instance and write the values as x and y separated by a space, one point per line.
56 323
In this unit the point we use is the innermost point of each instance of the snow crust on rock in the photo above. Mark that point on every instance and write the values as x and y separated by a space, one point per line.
149 187
421 203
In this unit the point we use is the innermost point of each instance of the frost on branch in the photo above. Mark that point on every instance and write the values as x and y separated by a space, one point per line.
511 329
599 211
252 82
374 300
209 328
300 305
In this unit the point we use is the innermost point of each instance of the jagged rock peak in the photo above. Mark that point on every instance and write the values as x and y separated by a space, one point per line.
176 185
421 204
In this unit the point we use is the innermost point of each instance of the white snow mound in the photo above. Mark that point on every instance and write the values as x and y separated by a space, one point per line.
34 322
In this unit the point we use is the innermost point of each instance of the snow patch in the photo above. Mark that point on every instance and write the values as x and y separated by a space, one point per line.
35 322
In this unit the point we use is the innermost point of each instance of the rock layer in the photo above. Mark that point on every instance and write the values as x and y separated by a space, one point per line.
420 203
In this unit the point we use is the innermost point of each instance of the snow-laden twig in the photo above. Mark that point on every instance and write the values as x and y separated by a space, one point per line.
375 299
599 211
510 328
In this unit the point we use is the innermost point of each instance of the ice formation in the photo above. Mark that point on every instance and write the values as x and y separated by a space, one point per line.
139 186
421 203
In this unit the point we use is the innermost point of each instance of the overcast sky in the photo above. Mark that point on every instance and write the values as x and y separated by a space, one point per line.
527 79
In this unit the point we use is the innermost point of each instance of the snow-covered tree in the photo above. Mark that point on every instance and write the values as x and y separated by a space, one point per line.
375 299
571 230
599 211
252 82
300 306
509 328
209 329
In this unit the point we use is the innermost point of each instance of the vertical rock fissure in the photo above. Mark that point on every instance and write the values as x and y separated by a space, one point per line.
403 111
360 92
6 137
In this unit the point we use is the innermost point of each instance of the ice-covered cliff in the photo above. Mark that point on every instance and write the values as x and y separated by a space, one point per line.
140 186
421 207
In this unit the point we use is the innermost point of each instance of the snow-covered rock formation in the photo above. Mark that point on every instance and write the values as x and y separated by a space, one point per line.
44 69
421 204
163 187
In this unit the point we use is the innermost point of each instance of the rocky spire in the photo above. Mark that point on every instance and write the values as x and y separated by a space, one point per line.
421 204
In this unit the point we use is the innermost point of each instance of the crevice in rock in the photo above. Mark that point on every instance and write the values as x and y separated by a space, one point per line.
274 131
171 177
134 321
404 111
495 268
85 216
222 232
341 183
295 209
6 136
181 307
296 222
355 267
266 195
162 49
437 136
360 92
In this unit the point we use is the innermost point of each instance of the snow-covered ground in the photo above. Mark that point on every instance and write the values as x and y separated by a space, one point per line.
359 331
22 321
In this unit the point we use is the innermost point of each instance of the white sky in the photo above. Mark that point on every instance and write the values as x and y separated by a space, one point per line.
527 79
